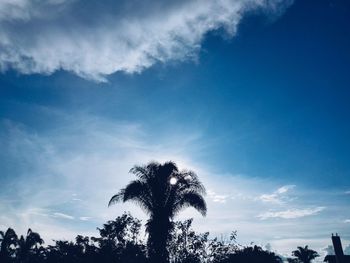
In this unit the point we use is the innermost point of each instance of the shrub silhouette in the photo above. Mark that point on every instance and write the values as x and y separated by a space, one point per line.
252 255
162 191
187 246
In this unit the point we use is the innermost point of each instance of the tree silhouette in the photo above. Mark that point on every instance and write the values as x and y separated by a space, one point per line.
118 241
252 255
28 246
293 260
9 242
187 246
162 191
304 254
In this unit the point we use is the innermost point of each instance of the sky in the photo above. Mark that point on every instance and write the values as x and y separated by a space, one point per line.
252 95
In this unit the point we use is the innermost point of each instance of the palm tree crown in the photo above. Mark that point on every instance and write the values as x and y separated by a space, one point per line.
304 254
8 241
162 191
28 245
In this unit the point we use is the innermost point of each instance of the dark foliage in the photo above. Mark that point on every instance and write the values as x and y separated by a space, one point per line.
304 255
119 242
253 254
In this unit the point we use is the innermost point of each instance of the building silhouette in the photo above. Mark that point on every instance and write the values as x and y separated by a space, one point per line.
339 256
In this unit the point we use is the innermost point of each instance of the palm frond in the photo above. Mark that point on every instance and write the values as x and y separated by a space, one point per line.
134 188
140 171
136 191
116 198
190 199
33 238
189 181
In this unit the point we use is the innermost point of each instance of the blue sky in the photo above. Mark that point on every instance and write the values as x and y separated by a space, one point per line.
252 95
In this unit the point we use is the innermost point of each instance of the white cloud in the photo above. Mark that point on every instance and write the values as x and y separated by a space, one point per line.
285 189
94 39
291 213
347 221
278 196
273 198
84 218
218 198
329 250
347 250
63 216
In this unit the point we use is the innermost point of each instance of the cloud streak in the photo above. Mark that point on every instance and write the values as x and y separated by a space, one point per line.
217 197
291 213
278 196
94 40
63 216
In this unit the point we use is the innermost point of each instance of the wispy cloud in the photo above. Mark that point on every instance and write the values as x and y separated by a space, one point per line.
346 221
278 196
63 216
285 189
218 198
291 213
94 39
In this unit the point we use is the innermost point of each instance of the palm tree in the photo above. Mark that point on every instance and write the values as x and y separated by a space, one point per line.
8 241
162 191
304 254
29 244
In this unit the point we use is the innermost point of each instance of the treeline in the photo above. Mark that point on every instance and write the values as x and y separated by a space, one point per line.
120 241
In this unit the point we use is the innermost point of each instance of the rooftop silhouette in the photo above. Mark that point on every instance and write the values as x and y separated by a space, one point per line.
339 256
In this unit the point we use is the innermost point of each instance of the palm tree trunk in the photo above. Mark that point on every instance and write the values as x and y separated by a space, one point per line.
158 235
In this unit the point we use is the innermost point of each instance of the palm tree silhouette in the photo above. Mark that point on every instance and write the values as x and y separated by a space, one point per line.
162 191
8 242
28 245
304 254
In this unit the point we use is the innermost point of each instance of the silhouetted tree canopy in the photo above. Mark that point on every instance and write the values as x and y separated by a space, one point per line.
121 241
9 241
253 254
304 254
